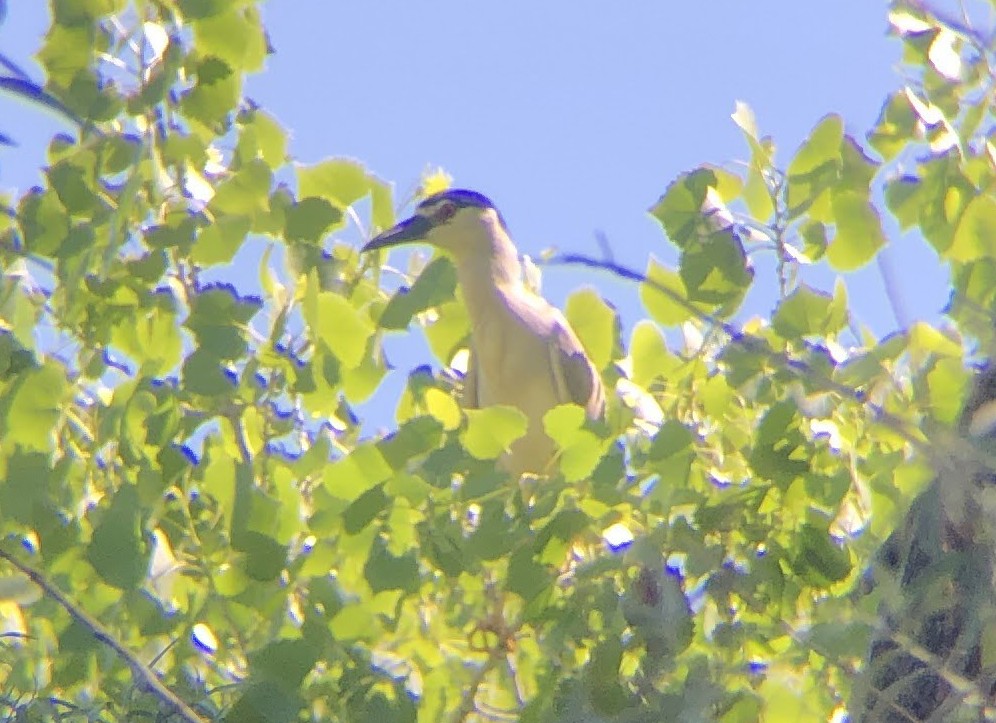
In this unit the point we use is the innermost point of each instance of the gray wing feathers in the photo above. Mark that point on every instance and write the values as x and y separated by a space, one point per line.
575 375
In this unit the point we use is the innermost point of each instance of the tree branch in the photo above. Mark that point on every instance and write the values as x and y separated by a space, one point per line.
144 677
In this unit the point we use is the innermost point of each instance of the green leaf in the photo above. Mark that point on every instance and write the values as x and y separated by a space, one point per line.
215 94
596 324
608 696
975 232
384 571
715 271
443 407
807 312
261 136
284 662
344 329
309 219
31 408
263 702
449 331
74 186
341 181
526 577
44 221
27 485
118 551
814 240
265 558
66 51
650 355
896 126
218 242
818 560
434 286
662 294
756 191
859 231
245 193
151 338
235 36
357 472
580 449
816 165
680 208
857 169
354 622
490 431
204 373
935 201
416 436
671 439
779 452
365 509
947 384
218 319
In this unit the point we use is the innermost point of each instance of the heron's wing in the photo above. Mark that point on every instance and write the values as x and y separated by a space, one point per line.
575 376
471 396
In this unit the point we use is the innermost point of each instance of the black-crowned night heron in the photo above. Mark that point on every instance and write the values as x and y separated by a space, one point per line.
523 353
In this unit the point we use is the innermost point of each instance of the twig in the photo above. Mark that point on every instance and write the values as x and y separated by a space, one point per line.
145 678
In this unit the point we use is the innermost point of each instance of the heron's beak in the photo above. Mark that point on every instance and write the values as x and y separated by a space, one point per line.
410 230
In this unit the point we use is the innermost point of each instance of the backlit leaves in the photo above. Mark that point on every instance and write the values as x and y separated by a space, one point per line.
490 431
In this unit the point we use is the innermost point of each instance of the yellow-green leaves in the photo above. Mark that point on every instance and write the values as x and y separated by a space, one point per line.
343 182
859 231
807 312
816 167
649 354
757 191
595 323
975 232
357 472
663 295
118 551
235 36
343 329
713 268
30 407
828 183
434 286
580 449
490 431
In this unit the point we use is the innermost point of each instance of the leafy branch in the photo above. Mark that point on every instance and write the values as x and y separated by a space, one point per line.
144 677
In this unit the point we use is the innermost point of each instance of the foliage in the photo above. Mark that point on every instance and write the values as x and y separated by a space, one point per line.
181 456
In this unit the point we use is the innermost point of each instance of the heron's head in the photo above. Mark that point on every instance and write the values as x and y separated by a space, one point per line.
463 222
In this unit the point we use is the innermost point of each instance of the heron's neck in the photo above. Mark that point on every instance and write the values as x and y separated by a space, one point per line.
490 273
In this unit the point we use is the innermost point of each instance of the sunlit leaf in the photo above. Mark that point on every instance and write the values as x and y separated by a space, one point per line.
118 551
816 165
434 286
859 231
490 431
32 406
975 232
662 294
595 323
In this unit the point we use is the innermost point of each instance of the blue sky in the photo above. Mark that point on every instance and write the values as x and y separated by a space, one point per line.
572 115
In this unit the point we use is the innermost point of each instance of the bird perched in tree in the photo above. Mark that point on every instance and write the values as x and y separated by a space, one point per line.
523 352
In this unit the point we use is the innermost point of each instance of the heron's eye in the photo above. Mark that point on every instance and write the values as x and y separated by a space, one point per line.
445 212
